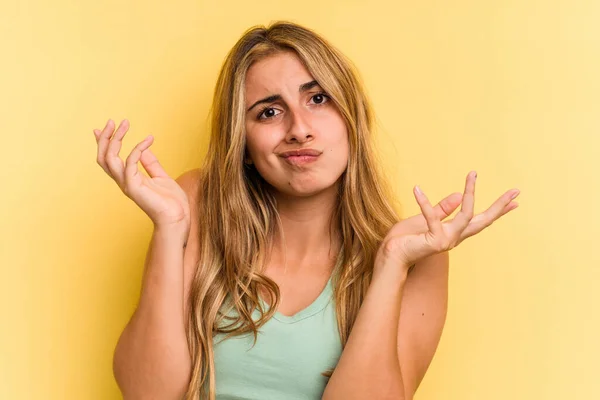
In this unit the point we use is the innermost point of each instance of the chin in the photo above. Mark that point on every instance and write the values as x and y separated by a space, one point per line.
305 189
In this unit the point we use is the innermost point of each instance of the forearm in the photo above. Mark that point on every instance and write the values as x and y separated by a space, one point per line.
369 367
152 357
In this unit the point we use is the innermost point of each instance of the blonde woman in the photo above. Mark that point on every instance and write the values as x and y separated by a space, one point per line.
280 268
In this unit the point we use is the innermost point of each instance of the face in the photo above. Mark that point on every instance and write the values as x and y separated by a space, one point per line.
287 110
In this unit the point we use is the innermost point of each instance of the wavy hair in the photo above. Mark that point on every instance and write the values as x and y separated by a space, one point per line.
238 214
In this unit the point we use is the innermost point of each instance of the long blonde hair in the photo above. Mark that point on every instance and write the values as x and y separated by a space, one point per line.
238 215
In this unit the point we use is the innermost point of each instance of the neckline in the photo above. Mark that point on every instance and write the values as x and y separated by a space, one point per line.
316 306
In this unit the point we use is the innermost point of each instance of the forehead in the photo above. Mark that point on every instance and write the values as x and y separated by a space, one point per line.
273 74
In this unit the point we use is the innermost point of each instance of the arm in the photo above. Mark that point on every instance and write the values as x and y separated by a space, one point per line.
395 334
422 318
152 359
369 367
425 239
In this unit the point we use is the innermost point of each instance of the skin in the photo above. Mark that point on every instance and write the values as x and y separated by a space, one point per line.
306 197
306 194
299 120
425 235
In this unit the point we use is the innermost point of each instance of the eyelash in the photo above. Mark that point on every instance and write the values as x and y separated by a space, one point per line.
262 110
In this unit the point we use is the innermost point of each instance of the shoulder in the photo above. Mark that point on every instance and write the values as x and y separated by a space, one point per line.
189 181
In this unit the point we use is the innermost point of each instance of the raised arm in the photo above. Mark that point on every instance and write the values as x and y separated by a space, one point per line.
151 358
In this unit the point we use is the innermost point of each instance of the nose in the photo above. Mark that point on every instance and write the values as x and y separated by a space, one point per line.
300 129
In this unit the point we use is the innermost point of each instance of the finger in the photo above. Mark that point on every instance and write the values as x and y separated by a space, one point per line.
131 166
446 206
103 141
510 207
433 223
464 216
500 207
152 165
114 162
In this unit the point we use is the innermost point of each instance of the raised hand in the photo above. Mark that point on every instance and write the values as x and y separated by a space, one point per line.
425 234
158 195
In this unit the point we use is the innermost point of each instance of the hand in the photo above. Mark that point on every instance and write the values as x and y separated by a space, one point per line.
158 195
423 235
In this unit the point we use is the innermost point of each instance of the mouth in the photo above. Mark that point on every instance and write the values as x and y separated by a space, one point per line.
300 160
301 152
300 156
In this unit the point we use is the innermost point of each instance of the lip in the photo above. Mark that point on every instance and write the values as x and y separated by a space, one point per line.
300 160
300 157
300 152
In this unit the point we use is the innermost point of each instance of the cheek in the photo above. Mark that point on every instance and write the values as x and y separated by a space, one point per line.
260 144
335 125
343 145
254 140
338 135
338 150
341 154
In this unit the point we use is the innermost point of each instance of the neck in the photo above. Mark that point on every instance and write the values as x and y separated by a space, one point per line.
307 242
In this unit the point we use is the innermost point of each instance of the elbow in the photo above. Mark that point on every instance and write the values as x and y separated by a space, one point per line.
388 396
135 387
389 393
138 380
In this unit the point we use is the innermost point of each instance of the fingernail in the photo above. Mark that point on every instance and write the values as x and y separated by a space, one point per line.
418 189
515 194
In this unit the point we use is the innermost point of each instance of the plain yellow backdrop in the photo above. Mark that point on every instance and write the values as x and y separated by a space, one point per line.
509 89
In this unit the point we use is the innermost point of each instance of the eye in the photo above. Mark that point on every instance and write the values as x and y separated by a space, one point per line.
321 97
268 112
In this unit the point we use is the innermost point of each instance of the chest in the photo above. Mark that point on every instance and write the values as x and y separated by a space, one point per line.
286 361
298 290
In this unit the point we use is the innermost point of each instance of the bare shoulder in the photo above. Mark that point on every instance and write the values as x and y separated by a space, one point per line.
189 181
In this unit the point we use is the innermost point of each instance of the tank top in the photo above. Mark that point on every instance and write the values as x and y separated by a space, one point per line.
288 358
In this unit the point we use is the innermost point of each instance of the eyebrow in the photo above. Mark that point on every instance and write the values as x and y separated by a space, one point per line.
303 88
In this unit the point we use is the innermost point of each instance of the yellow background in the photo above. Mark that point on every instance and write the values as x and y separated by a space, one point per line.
510 89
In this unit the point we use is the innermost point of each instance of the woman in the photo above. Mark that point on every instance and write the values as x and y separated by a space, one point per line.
280 269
